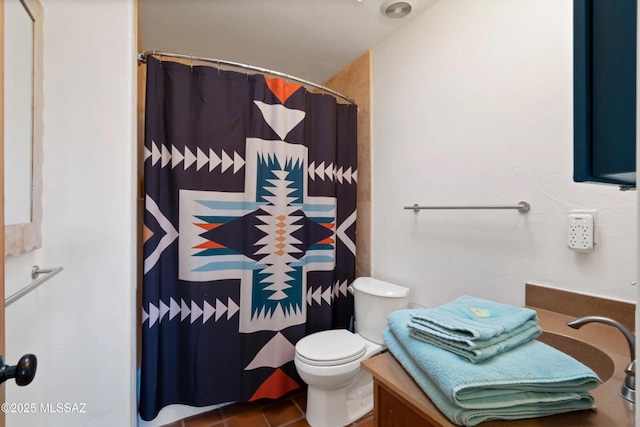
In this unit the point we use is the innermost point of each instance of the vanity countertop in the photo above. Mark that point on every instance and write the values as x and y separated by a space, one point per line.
613 410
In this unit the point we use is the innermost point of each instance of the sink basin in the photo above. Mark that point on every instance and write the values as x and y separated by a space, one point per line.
589 355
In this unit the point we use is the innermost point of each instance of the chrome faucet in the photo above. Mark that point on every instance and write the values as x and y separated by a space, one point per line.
628 389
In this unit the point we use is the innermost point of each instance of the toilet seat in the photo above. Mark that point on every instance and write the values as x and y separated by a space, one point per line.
331 348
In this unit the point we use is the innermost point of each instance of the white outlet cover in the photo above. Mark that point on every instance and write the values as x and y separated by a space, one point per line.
580 232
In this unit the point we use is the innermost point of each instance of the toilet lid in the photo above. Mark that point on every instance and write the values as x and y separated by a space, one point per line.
331 347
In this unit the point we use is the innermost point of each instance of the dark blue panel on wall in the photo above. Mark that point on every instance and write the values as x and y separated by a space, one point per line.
605 91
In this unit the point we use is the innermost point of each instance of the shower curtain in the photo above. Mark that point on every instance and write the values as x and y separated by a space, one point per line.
249 232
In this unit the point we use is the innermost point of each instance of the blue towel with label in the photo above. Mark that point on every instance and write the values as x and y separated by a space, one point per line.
529 381
473 319
479 350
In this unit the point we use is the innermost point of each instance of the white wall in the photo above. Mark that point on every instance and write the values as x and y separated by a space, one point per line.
80 323
472 104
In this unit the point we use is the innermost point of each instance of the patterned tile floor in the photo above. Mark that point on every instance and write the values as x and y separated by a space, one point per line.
288 411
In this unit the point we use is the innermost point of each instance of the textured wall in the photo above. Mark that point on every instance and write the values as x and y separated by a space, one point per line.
355 82
80 323
474 105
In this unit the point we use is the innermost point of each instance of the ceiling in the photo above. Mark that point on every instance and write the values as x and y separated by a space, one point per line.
309 39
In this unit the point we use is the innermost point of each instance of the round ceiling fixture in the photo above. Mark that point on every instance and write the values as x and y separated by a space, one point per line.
396 9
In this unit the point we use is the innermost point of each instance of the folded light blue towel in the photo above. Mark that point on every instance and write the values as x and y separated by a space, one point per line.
472 417
503 380
479 350
474 318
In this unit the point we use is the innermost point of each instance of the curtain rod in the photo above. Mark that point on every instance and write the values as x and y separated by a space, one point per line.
142 57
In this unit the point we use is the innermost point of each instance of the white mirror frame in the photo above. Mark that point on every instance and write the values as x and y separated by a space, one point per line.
20 238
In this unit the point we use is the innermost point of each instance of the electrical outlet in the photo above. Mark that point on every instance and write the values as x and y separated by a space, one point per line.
580 232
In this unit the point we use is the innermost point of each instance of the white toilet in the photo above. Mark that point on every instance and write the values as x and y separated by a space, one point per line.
339 391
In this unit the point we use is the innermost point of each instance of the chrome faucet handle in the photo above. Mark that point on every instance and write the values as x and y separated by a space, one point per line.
628 389
631 369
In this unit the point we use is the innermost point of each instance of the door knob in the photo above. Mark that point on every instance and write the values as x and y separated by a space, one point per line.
23 372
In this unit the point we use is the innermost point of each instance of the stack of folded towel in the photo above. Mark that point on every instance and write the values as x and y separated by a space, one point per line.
475 328
512 376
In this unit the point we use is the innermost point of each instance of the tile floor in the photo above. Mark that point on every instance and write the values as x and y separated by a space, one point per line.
288 411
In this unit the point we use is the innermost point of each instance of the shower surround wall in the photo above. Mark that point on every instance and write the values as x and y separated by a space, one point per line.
474 105
355 81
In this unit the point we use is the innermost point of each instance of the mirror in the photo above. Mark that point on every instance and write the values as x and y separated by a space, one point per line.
22 125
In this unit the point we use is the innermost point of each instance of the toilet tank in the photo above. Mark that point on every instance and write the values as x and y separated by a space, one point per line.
374 300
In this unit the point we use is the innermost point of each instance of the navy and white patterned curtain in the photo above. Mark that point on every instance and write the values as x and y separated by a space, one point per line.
249 232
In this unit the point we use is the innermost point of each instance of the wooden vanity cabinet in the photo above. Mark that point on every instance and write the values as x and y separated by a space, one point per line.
391 410
398 401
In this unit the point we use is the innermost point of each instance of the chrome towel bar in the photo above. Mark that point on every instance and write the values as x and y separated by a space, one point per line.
521 206
35 273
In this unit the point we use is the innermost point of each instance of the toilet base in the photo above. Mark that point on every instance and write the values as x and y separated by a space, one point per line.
341 406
